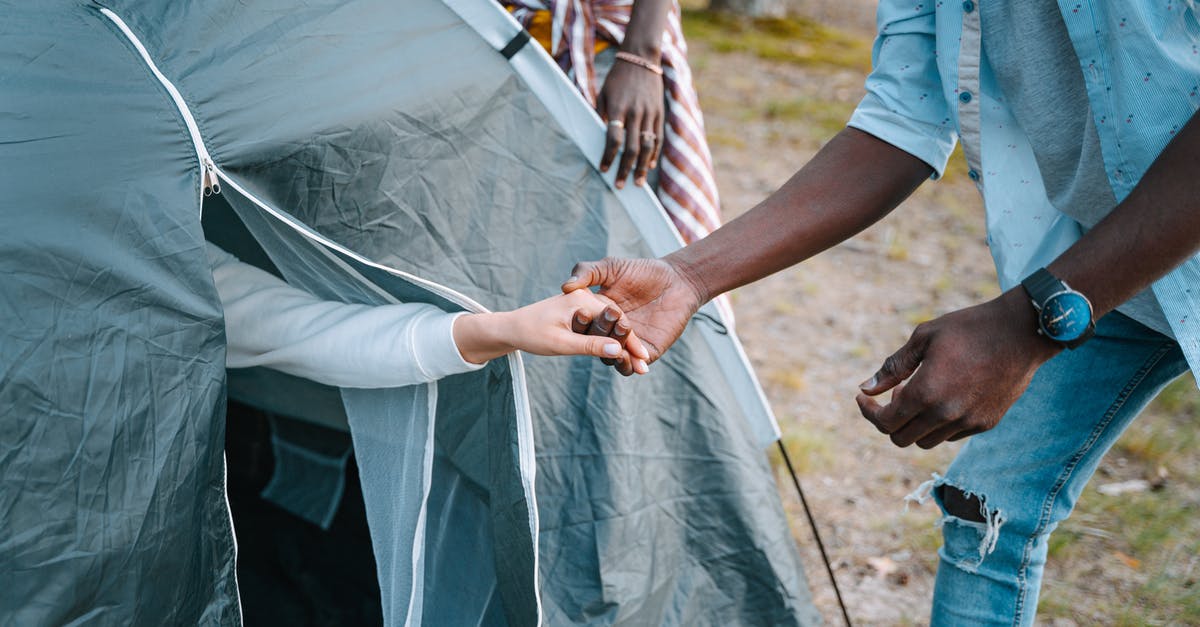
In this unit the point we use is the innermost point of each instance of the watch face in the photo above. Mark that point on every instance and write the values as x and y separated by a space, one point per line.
1065 316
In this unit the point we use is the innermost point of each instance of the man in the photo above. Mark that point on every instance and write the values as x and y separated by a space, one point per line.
1078 123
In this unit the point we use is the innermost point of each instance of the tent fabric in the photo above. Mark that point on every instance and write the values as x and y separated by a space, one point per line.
112 504
377 152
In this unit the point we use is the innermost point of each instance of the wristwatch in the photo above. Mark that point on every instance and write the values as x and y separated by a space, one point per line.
1064 315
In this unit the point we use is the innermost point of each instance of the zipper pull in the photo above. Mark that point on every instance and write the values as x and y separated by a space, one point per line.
212 184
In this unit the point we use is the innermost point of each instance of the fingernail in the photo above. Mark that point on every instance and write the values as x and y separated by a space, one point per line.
641 367
580 318
574 278
869 383
610 315
612 350
620 184
640 182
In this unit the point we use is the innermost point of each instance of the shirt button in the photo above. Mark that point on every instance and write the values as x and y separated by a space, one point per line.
973 175
965 97
968 6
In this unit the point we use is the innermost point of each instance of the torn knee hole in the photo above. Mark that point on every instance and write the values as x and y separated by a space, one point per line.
960 505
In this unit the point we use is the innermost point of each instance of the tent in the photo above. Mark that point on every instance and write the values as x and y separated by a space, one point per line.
374 151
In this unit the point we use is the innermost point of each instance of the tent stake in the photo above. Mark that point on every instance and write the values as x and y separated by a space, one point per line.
816 534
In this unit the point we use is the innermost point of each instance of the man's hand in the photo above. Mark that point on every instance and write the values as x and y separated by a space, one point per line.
554 326
656 295
963 371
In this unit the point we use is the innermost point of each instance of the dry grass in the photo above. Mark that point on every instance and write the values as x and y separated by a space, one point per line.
774 91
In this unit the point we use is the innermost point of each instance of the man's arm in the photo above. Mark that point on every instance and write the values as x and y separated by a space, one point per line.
975 363
1156 228
853 182
850 184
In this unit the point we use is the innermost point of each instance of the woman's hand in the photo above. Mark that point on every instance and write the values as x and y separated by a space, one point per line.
631 103
554 326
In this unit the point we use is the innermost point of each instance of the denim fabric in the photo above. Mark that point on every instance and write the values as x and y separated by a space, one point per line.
931 85
1029 471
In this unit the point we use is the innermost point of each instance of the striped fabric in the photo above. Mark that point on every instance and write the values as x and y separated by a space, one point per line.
686 187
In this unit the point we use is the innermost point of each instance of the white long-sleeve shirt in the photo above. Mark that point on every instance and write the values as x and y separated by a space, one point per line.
273 324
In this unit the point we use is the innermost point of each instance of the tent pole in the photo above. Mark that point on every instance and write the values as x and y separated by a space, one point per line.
816 534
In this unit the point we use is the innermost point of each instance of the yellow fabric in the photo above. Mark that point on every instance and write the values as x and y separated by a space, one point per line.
541 27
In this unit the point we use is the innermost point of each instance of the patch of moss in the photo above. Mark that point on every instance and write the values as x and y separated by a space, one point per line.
827 117
787 39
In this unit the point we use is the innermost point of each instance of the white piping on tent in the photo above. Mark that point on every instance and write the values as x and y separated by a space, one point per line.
582 124
212 175
206 163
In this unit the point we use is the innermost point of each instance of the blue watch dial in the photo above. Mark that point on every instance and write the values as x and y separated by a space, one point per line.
1065 317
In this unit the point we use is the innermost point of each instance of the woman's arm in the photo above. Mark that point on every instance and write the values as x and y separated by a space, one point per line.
276 325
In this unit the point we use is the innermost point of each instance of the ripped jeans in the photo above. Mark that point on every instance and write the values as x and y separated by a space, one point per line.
1029 471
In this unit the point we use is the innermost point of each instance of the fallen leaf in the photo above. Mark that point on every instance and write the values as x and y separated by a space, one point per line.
1128 560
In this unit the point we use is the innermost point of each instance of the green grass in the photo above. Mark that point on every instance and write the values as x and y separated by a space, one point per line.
1132 559
788 39
826 117
809 451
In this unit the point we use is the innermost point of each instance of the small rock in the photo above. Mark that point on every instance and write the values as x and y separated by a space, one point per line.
882 565
1124 487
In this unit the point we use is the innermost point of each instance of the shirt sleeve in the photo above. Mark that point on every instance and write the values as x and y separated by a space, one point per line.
905 104
273 324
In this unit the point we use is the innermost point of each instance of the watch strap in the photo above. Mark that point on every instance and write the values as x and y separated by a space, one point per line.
1041 285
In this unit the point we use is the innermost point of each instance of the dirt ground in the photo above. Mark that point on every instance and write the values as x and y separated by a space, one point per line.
815 331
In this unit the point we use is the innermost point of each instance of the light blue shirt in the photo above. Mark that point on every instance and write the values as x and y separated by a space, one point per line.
931 86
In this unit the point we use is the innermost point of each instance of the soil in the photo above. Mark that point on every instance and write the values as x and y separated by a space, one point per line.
815 331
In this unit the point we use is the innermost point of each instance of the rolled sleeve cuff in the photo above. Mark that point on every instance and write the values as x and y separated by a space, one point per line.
931 143
433 343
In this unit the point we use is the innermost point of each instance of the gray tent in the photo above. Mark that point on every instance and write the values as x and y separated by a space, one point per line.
375 151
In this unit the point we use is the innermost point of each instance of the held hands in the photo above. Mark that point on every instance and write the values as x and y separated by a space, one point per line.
631 104
657 295
553 326
957 375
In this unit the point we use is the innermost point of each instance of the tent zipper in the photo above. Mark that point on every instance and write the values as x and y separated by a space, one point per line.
210 183
211 179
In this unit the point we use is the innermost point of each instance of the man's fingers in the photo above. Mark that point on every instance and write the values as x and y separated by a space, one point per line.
870 410
887 418
919 427
604 323
941 434
899 366
633 128
584 275
580 322
965 434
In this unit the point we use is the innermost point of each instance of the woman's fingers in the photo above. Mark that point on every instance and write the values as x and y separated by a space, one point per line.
602 347
661 130
614 138
633 130
648 146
